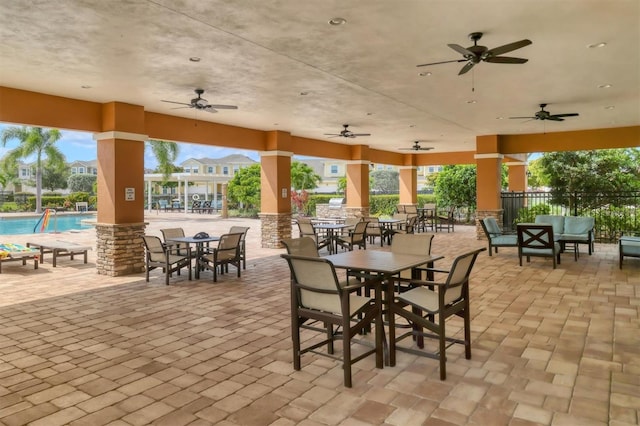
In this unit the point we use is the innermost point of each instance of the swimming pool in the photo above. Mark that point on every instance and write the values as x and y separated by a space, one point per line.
25 224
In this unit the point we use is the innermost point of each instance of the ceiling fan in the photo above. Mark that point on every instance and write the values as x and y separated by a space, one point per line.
416 147
475 54
346 133
202 104
545 115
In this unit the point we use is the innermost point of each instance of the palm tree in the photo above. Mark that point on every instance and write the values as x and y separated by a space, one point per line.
166 153
34 141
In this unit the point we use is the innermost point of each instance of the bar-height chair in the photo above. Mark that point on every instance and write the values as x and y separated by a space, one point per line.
159 255
419 244
319 303
446 220
356 238
303 246
537 240
429 309
243 243
227 253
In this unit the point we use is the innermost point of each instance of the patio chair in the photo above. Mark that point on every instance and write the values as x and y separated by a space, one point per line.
307 230
303 246
169 233
427 217
412 244
537 240
374 230
157 255
494 235
357 237
319 303
11 252
628 246
227 253
243 245
445 220
429 309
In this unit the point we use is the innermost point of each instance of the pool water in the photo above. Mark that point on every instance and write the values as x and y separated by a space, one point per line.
25 225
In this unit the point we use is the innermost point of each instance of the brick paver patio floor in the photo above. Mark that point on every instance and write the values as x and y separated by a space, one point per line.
550 347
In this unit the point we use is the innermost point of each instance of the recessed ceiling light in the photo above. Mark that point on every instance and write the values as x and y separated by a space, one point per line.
84 86
499 118
425 74
596 45
610 107
194 59
604 86
337 21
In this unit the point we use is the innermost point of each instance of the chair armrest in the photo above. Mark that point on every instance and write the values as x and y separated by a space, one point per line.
421 282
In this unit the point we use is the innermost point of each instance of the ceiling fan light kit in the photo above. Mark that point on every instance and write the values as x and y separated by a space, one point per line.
546 115
416 147
346 133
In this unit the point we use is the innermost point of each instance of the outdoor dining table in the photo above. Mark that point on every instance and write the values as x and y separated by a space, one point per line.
380 267
332 236
199 244
427 218
387 227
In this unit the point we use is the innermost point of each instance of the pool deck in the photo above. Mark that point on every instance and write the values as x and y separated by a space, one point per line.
550 347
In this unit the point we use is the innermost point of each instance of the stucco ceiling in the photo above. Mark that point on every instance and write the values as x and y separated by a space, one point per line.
286 68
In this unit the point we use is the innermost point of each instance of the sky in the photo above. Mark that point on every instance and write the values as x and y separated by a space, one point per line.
81 146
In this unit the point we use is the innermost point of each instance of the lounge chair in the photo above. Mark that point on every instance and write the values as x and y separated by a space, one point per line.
59 249
14 252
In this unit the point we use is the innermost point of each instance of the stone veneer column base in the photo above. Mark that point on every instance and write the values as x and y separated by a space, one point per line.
120 248
275 227
357 211
481 214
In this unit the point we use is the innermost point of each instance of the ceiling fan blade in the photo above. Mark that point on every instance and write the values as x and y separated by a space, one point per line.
360 134
442 62
523 118
223 106
554 118
508 47
573 114
505 60
466 68
208 109
461 50
174 102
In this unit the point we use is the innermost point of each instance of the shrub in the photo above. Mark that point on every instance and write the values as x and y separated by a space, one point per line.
528 214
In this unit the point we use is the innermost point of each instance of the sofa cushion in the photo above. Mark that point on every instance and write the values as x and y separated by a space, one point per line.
554 220
578 225
505 240
535 251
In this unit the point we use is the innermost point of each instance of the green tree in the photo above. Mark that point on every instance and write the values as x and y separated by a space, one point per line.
54 176
537 177
456 187
303 177
244 187
341 186
385 181
82 183
165 153
38 142
602 171
8 172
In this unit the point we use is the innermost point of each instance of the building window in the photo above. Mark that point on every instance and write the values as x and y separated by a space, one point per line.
334 169
380 167
432 169
225 170
236 169
210 169
74 170
25 172
194 170
187 169
81 170
95 171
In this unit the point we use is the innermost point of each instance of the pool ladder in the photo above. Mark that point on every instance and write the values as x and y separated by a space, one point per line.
45 215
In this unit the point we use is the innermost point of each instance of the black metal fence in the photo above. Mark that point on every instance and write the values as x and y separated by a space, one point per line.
614 213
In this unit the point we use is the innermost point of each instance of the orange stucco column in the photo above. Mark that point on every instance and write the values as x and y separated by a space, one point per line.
120 222
488 180
517 176
275 197
358 184
408 185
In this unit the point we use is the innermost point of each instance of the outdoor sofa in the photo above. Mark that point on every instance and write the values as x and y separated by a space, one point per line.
570 230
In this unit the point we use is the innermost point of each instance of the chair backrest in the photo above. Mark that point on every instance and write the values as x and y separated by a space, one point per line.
239 229
169 233
359 232
315 282
373 227
535 236
490 227
412 243
206 204
195 205
306 229
351 221
229 242
459 275
163 203
401 216
410 209
399 208
411 224
556 221
304 246
154 247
